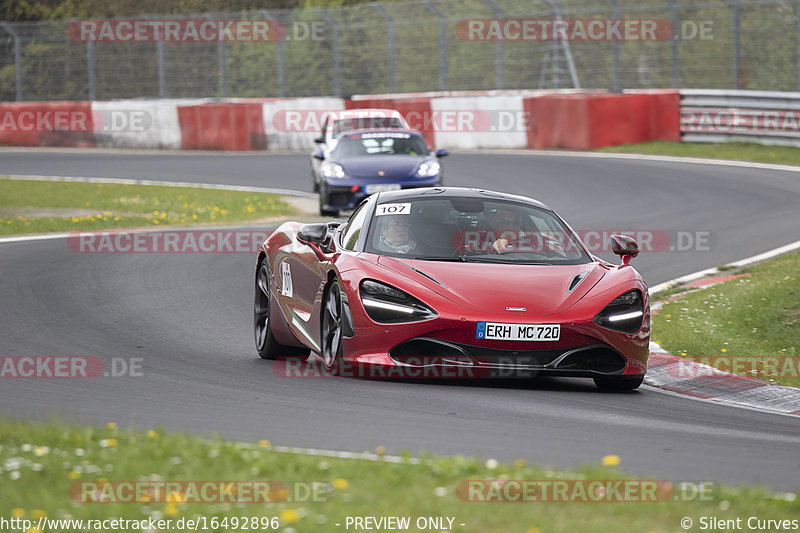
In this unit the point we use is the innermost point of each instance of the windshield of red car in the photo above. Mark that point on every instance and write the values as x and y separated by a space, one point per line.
473 230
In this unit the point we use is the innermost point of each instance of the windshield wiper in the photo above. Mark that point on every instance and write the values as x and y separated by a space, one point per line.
498 260
454 259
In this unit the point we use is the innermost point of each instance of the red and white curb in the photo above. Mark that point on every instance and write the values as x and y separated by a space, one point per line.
698 380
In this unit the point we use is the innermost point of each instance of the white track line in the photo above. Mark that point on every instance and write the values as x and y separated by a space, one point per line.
50 236
644 157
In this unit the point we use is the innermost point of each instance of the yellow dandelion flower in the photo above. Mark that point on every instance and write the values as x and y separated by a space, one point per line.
263 443
155 221
340 483
18 512
194 217
38 513
289 515
724 350
520 463
171 509
610 460
152 434
111 425
380 450
73 475
176 497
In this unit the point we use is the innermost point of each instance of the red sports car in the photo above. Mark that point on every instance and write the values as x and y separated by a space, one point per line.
452 282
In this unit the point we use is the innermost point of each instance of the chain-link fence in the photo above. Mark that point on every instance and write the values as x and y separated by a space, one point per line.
421 45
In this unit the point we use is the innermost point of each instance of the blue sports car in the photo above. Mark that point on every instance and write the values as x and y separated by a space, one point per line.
369 161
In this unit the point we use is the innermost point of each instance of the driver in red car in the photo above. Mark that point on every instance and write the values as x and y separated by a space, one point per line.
394 234
507 224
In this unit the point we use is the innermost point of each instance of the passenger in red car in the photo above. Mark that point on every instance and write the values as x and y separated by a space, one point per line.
394 235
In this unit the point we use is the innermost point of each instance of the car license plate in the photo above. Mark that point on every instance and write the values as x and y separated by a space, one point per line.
518 332
381 187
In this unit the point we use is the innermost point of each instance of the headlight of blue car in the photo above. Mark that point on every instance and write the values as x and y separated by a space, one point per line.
329 169
428 169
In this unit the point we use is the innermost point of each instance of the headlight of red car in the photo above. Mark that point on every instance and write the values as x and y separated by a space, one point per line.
623 314
390 305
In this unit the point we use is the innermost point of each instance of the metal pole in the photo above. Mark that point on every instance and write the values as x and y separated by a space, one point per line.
564 45
337 67
17 58
281 62
736 28
442 44
161 82
498 47
675 17
389 44
90 66
223 68
615 50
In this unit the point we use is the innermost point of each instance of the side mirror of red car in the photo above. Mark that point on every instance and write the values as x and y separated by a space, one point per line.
625 247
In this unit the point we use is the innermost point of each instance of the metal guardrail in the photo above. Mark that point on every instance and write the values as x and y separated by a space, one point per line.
765 117
420 45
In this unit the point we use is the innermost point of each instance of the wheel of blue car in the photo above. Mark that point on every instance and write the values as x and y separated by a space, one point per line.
618 383
322 210
266 345
332 328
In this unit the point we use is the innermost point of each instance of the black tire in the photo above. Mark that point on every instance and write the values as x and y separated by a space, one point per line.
326 212
331 325
266 345
618 383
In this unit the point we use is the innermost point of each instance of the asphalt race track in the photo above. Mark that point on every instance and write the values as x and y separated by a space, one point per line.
189 318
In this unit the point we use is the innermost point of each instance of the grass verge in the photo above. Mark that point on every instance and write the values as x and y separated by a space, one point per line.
41 462
749 325
28 206
785 155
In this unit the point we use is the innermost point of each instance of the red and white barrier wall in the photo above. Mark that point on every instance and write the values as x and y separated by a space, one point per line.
459 120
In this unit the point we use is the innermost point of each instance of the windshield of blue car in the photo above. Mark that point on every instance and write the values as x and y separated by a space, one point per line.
364 144
473 230
365 123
